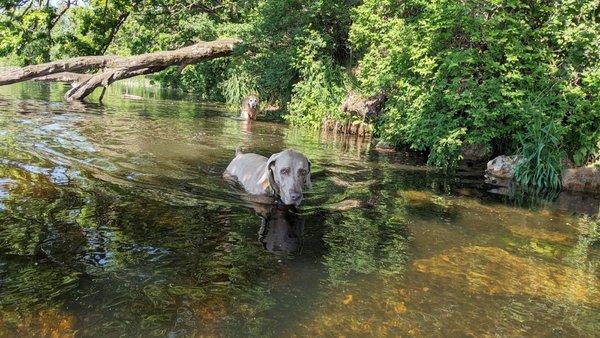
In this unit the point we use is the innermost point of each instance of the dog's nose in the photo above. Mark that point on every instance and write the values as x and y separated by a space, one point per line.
295 196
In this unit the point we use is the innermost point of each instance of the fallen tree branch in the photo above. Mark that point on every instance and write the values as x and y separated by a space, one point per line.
115 68
71 65
67 77
82 89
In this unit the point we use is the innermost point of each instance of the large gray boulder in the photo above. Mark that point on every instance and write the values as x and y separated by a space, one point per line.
500 170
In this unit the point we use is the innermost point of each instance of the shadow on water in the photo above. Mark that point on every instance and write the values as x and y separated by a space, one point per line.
115 220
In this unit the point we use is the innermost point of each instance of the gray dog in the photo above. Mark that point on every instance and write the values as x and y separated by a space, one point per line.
283 174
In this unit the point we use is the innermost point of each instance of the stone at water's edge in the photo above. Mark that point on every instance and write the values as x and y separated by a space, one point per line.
578 202
582 179
368 108
501 169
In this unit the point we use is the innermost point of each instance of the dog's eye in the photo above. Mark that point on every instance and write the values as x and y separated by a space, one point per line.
302 172
284 171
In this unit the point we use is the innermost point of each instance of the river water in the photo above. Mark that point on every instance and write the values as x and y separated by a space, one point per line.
115 221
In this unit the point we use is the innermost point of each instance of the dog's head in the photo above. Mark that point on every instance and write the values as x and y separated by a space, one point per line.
253 101
288 172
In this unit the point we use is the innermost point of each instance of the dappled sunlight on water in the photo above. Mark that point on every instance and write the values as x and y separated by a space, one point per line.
115 220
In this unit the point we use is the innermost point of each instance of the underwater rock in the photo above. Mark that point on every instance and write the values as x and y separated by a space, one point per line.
417 197
44 323
494 271
542 234
346 205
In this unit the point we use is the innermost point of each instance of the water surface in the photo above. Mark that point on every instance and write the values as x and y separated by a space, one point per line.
115 220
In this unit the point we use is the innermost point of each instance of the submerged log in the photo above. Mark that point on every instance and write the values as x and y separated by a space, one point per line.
113 68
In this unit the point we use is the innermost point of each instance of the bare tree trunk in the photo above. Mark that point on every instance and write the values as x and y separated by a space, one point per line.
115 68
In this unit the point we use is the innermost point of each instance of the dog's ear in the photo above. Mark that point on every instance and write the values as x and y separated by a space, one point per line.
270 175
307 181
268 178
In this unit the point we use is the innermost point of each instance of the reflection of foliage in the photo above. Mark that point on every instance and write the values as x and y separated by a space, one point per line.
589 237
25 286
394 246
23 233
590 229
359 245
7 143
352 246
146 262
367 241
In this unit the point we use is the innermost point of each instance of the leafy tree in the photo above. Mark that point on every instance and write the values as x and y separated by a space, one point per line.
455 73
469 72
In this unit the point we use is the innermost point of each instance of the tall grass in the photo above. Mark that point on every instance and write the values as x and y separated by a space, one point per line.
542 155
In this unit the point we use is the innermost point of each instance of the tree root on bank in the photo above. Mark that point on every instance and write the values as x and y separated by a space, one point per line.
347 127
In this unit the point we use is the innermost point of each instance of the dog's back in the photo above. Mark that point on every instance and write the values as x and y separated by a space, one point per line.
248 169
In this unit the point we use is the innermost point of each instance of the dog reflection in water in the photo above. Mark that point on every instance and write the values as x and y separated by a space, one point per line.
281 229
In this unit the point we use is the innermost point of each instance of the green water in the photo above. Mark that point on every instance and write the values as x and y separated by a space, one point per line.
115 221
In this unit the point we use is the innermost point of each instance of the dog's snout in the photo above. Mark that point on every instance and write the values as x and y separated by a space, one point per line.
295 196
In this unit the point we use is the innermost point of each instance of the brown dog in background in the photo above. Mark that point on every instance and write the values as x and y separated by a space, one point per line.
249 107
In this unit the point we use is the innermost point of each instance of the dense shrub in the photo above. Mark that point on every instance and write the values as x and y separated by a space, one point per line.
320 90
468 72
296 49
